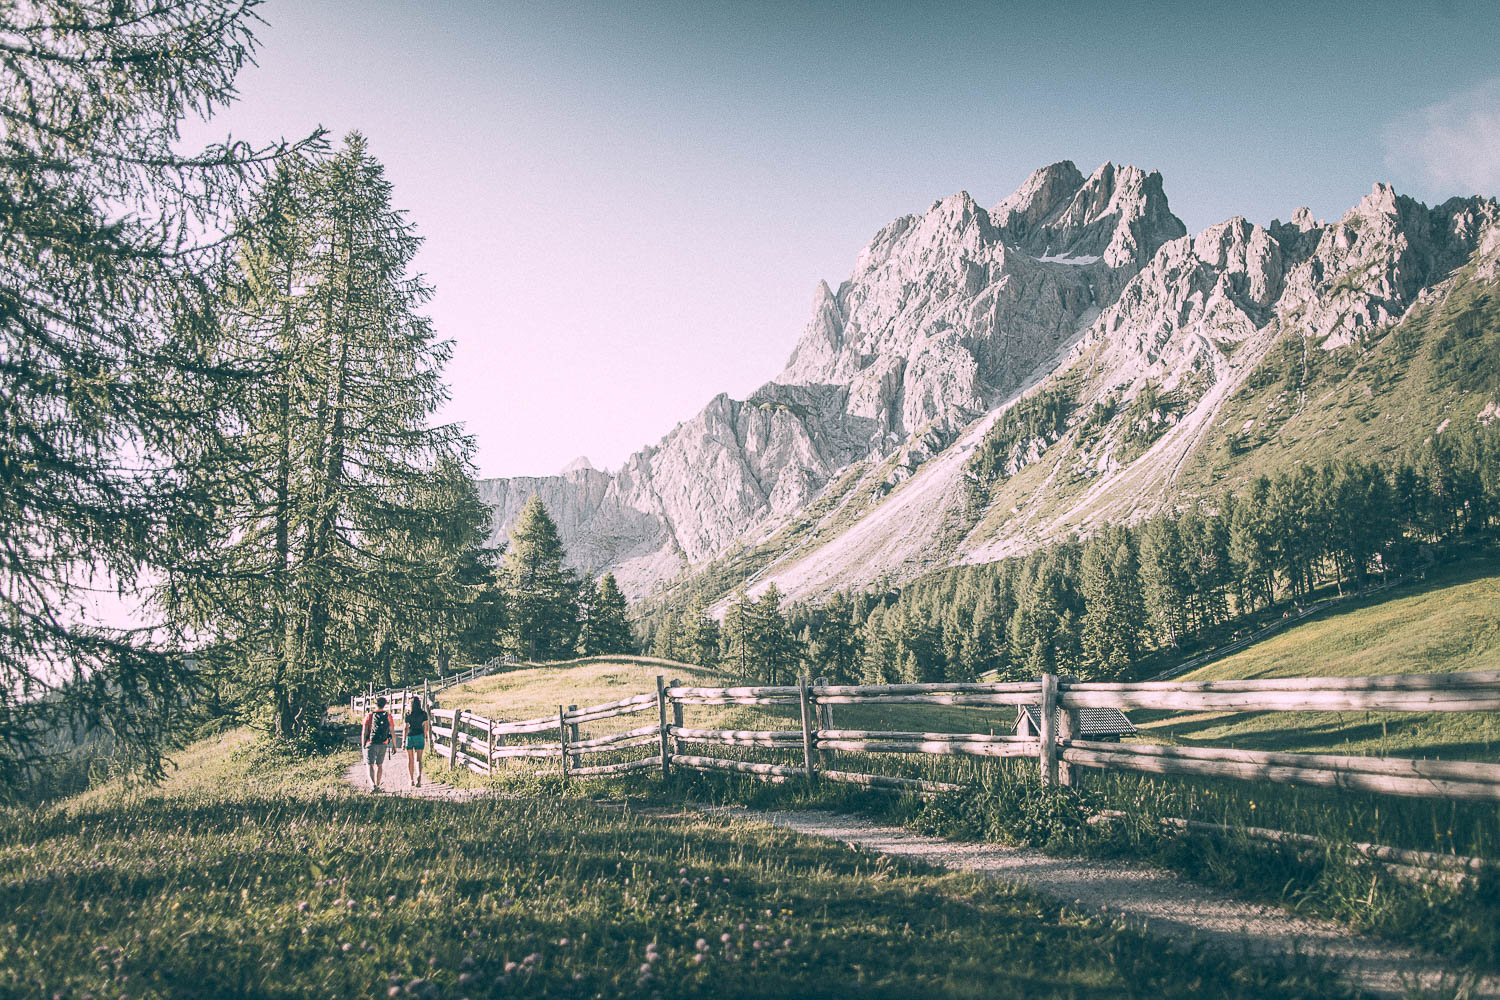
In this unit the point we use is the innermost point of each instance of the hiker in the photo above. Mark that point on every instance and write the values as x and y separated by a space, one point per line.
375 738
418 732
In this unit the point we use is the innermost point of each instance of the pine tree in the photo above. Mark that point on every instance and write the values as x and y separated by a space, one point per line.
700 638
1164 583
586 606
542 594
1250 544
774 653
735 638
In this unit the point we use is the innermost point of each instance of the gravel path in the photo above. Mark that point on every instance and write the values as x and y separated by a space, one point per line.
395 781
1154 900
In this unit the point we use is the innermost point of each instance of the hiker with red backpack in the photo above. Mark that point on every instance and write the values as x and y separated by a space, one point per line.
375 739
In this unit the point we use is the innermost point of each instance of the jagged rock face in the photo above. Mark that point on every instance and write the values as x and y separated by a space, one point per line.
1181 314
1365 270
945 317
961 304
944 314
1117 214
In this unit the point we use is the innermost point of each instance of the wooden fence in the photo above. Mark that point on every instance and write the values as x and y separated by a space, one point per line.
399 698
476 742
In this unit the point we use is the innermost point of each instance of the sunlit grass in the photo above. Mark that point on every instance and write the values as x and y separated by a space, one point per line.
246 876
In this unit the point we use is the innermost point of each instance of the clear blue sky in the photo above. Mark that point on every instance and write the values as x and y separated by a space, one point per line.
627 206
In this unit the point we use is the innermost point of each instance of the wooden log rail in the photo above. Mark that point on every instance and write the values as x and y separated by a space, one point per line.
477 742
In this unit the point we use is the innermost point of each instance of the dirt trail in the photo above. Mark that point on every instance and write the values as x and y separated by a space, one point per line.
1155 900
395 781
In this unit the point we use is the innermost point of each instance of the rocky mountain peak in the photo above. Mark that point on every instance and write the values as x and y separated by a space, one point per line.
1118 214
1043 193
579 464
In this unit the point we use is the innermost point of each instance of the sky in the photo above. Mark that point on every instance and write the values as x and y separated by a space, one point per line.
627 207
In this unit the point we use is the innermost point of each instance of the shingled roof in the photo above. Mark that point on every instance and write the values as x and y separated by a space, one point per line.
1091 721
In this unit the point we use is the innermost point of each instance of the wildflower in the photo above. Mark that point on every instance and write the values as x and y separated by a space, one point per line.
701 945
562 942
724 937
346 947
302 907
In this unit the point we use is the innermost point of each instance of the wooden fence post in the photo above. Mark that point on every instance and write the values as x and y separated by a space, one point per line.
824 716
562 737
804 690
489 750
458 718
661 715
577 759
1069 727
1047 725
676 716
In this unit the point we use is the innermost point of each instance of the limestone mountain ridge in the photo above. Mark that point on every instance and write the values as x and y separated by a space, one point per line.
854 463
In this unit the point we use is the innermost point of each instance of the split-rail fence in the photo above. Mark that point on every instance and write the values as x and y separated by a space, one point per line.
471 740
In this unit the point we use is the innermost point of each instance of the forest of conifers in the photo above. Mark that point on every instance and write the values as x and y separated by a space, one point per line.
1094 608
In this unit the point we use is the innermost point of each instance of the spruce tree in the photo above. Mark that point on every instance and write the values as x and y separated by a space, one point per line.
541 594
610 623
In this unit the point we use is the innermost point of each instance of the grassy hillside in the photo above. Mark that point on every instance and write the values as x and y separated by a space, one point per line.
1449 622
245 875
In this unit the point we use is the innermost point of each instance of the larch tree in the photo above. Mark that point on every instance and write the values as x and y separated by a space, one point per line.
109 350
349 522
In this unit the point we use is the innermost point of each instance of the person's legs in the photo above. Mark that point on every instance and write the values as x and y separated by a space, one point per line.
369 767
377 764
419 766
411 766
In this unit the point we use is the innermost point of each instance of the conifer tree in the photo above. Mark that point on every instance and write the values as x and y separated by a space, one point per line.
773 651
735 638
110 369
350 526
609 623
700 636
541 594
585 607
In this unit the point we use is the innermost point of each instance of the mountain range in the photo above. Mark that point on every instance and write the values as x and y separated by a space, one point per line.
986 380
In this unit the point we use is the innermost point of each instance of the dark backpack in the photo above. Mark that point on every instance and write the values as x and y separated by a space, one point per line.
380 727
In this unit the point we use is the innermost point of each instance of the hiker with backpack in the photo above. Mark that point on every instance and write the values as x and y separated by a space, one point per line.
418 735
375 739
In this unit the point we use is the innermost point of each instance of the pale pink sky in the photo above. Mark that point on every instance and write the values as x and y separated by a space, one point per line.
627 207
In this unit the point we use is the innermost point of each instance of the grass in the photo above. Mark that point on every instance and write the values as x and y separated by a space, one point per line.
247 874
1446 623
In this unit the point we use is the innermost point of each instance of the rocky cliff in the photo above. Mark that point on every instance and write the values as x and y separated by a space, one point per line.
853 462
